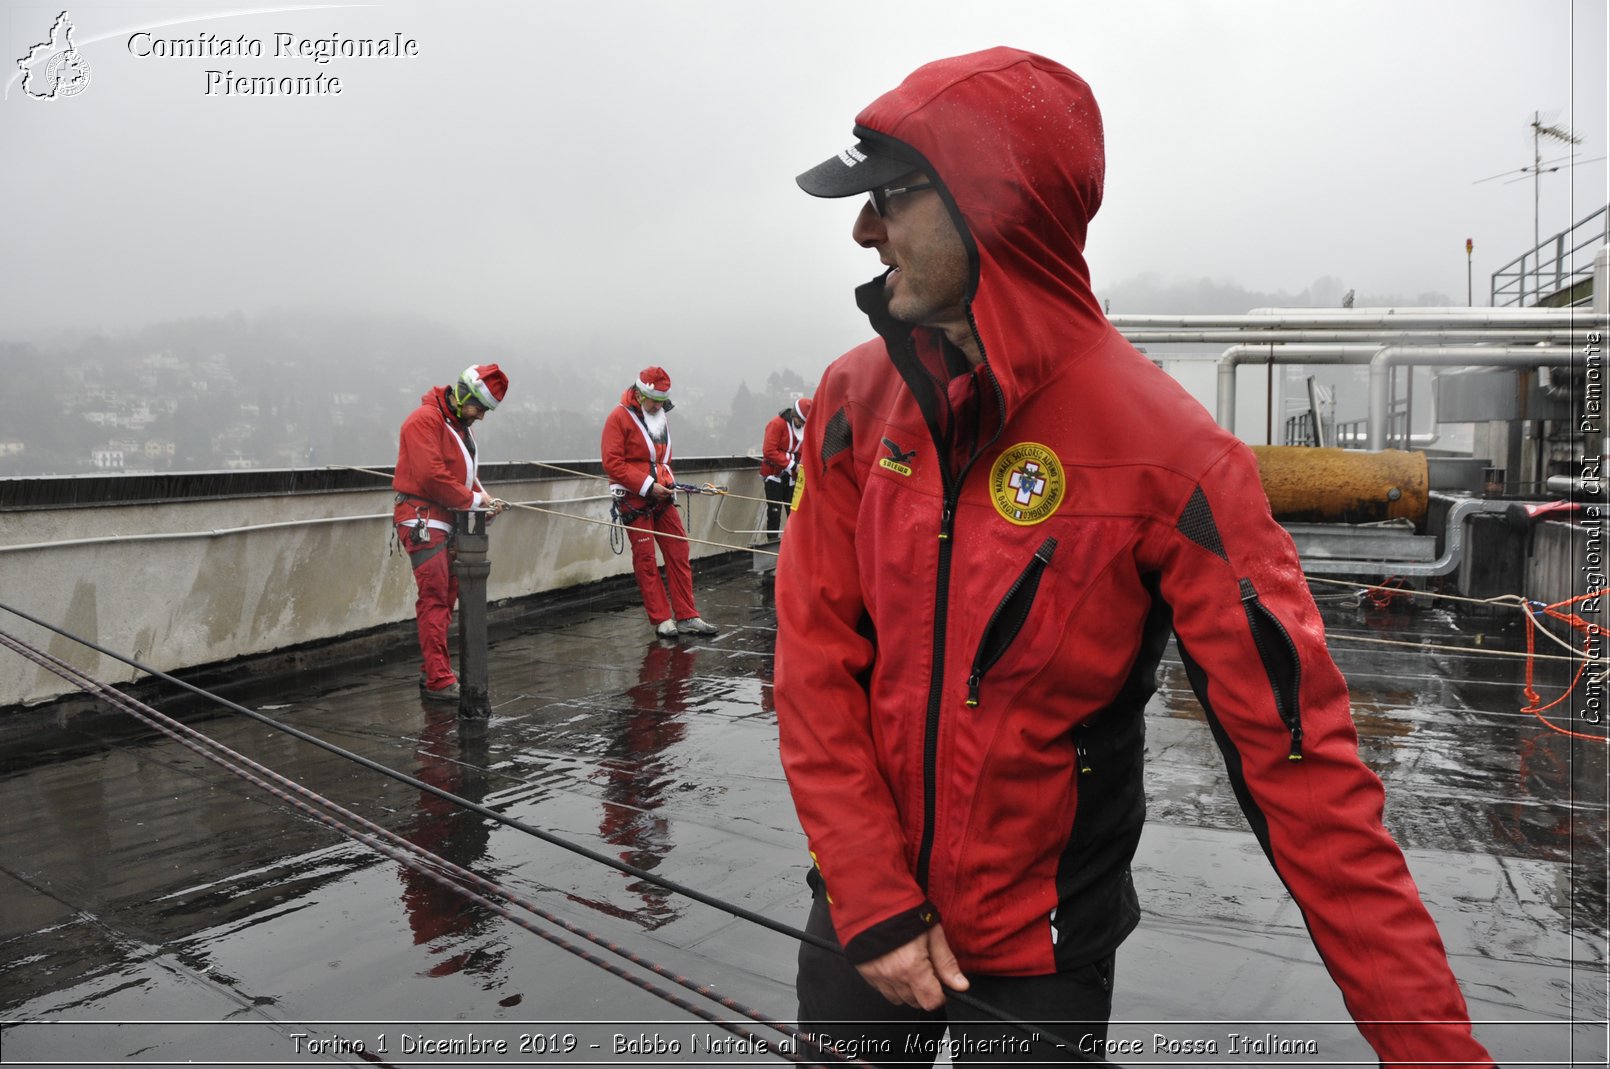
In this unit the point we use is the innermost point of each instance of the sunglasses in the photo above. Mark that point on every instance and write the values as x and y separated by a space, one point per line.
879 198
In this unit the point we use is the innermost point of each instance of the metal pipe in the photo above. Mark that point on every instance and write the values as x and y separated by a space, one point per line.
1391 356
1574 486
1453 550
1410 319
1553 335
1452 310
1245 353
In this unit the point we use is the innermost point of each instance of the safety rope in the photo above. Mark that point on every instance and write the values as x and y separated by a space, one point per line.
673 886
722 490
1592 653
410 854
1441 647
604 478
1521 604
602 523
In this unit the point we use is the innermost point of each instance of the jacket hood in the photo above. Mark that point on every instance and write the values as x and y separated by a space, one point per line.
1014 140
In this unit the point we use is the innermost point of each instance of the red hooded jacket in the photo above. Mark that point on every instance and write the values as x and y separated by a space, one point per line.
982 574
435 464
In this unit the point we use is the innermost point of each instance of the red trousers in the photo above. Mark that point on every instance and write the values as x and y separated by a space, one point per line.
643 532
433 609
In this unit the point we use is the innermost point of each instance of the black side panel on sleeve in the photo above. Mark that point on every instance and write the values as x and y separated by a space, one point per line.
836 438
1196 523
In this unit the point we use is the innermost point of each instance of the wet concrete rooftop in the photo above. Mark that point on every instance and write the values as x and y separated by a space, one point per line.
156 910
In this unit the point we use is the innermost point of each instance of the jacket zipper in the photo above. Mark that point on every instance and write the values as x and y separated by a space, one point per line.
1008 619
1273 642
936 677
930 737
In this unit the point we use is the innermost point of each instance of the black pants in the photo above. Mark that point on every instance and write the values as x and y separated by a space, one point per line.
779 492
1069 1008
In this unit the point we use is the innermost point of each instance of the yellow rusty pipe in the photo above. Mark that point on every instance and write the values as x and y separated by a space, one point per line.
1343 485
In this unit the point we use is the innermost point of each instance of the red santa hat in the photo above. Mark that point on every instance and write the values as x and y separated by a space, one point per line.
654 383
803 408
486 384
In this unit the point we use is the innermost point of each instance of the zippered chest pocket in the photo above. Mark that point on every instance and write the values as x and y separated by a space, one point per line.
1008 618
1279 656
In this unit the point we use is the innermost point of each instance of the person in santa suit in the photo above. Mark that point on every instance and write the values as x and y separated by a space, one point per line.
636 450
779 460
435 477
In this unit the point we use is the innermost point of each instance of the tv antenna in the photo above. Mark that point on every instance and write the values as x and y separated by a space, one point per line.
1540 166
1540 132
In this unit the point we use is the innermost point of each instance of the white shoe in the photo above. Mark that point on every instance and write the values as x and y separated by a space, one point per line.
667 629
695 625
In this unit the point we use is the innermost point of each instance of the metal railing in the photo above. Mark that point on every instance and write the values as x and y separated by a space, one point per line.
1559 271
1355 433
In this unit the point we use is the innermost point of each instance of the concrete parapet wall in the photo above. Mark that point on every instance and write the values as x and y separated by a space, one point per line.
246 569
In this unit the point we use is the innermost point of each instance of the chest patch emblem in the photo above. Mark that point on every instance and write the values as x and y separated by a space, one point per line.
1027 484
898 459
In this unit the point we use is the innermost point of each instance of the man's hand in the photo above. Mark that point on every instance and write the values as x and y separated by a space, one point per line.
913 974
659 492
495 506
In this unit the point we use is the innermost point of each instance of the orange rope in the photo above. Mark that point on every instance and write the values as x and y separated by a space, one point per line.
1381 594
1590 632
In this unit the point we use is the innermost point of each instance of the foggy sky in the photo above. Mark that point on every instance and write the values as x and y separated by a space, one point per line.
572 178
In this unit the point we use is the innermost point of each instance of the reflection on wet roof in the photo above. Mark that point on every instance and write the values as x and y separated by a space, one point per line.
143 885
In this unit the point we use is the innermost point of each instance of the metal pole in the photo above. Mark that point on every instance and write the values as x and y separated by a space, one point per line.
1537 185
1269 400
1408 407
472 568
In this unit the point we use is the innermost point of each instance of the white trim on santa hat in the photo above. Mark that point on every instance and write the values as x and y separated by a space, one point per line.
482 392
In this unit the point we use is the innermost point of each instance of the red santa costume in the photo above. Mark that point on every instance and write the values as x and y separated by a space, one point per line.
636 451
779 459
435 477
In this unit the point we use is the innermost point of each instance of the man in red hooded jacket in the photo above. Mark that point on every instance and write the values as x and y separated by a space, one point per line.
1006 511
779 459
434 478
636 451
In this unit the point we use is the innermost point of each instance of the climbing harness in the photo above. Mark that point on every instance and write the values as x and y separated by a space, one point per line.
622 516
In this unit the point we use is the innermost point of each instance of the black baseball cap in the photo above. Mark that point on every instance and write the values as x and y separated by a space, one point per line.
863 166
